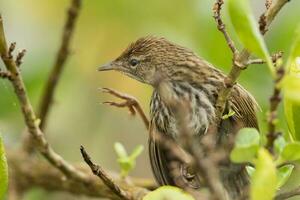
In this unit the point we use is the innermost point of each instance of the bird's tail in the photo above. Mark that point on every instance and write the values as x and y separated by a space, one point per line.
236 181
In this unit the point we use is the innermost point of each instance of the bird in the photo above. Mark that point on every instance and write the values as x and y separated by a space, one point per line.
152 60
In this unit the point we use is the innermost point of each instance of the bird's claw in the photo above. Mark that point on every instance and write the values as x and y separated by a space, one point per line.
129 102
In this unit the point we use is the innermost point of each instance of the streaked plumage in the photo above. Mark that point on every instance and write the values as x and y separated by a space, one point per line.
189 77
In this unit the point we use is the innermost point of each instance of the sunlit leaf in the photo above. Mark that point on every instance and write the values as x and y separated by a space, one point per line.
264 179
247 30
291 88
279 144
283 174
250 170
3 170
136 152
246 145
293 63
127 163
229 114
291 152
120 150
168 193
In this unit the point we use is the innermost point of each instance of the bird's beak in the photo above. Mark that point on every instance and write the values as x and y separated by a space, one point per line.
107 66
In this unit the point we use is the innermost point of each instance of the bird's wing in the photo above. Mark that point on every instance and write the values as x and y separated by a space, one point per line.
159 159
245 106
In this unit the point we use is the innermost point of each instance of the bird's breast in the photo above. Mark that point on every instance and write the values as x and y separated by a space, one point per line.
199 117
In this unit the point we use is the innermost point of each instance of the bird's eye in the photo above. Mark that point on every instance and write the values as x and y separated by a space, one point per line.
133 62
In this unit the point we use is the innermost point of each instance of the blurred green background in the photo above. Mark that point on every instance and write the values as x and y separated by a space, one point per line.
104 29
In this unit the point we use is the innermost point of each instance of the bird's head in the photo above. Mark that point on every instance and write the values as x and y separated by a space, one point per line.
150 59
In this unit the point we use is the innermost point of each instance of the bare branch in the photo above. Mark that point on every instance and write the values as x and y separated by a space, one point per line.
108 181
268 4
255 62
241 59
61 58
11 49
130 102
31 121
288 194
5 75
20 56
221 26
274 58
71 174
274 103
269 15
29 172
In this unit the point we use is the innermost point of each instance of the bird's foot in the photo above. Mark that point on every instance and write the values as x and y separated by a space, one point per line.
130 102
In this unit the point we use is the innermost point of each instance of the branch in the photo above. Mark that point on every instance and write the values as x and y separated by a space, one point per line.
274 103
267 17
274 59
108 181
31 121
71 175
5 75
241 59
20 56
221 26
62 56
288 194
30 173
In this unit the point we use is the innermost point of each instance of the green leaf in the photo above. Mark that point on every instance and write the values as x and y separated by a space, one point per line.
291 89
264 179
3 170
168 193
120 150
293 63
279 144
283 174
136 152
246 145
292 107
250 170
247 30
126 165
291 152
229 114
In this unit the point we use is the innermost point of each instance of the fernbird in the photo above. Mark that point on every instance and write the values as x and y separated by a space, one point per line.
191 77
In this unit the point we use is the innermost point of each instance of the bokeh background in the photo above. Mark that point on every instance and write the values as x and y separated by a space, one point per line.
104 29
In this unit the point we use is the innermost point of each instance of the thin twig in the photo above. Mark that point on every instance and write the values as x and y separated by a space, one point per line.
108 181
20 56
268 4
274 58
267 17
5 74
40 142
61 58
221 26
241 59
32 123
288 194
272 114
11 49
31 172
